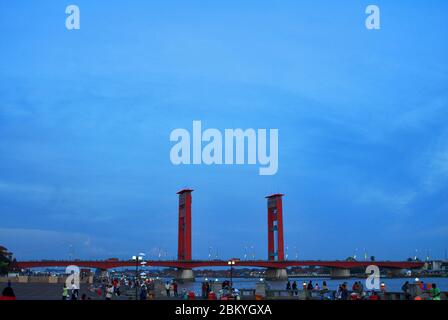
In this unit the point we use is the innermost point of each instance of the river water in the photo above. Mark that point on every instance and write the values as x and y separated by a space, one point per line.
392 284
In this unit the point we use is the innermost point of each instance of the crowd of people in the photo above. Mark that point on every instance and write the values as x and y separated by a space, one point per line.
109 288
417 291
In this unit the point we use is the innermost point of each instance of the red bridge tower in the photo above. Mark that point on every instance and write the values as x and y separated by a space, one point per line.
275 228
184 240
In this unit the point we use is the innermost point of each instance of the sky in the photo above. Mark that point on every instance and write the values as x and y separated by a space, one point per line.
86 116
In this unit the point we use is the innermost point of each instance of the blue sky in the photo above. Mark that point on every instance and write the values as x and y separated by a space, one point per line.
85 119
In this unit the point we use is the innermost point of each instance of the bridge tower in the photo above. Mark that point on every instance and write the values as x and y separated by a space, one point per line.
184 234
275 228
275 236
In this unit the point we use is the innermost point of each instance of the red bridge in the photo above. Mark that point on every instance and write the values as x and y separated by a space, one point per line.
276 263
105 264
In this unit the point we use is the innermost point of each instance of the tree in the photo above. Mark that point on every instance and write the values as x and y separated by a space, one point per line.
5 263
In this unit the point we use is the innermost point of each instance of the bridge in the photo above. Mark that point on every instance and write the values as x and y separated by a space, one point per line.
276 263
106 264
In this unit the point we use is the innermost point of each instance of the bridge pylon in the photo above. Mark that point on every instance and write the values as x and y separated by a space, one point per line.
184 234
275 236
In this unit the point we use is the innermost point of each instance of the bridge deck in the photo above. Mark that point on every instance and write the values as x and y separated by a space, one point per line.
106 264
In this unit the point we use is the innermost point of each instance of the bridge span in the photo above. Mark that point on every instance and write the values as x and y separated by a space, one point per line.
275 263
192 264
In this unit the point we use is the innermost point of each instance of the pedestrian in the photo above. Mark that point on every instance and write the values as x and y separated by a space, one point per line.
324 286
8 294
143 293
204 290
344 292
288 285
338 294
310 286
435 292
294 288
167 288
405 289
175 289
64 292
109 292
360 288
99 291
374 296
75 292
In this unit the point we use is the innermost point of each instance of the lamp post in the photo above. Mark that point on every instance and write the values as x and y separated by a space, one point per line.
138 260
231 263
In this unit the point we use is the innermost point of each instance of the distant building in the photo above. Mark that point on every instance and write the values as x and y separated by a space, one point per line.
436 265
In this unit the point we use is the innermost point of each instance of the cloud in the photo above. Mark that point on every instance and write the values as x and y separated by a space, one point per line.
396 202
433 165
41 244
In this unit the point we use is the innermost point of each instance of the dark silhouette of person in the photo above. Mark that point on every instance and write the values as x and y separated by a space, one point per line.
8 294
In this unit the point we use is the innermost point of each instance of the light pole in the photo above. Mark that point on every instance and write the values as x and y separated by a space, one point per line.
231 263
138 260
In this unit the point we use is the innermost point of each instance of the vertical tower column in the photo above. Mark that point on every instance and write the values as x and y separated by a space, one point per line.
275 228
184 233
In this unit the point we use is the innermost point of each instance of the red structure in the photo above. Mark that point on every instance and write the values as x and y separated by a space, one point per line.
108 264
185 264
184 234
275 228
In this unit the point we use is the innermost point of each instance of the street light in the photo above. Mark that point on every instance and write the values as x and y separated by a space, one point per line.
231 263
138 260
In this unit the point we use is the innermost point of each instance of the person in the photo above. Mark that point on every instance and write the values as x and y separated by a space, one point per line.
310 286
324 286
167 288
421 285
212 296
75 292
338 294
344 292
374 296
288 285
143 293
64 292
207 287
99 292
405 288
294 288
8 294
435 292
109 292
204 289
175 289
360 288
